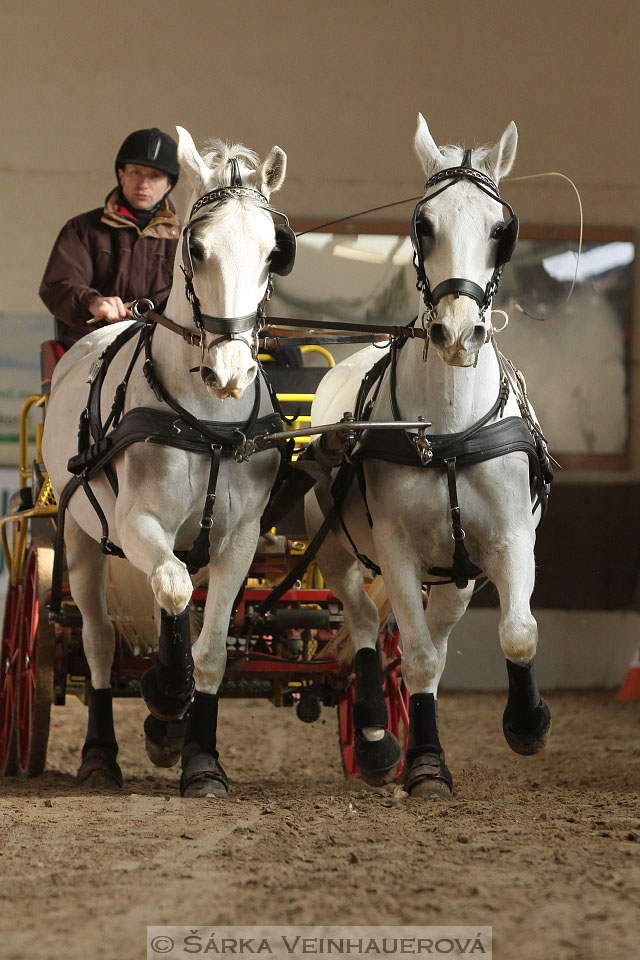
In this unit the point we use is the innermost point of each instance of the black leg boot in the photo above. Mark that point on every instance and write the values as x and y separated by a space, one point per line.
168 686
202 775
526 721
377 760
427 773
99 767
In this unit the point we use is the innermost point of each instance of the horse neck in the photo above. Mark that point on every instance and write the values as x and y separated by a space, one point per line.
451 398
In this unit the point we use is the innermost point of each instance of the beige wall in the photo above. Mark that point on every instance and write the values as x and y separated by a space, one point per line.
337 84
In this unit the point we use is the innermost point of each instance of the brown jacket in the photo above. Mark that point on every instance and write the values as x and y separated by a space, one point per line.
104 254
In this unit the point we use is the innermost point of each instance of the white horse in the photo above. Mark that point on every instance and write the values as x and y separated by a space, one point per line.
455 380
229 251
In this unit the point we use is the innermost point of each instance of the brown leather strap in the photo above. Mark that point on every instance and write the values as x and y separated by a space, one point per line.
190 336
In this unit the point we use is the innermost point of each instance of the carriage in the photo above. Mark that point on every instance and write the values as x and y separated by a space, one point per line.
288 657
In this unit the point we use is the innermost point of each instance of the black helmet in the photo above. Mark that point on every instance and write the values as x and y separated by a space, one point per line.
150 148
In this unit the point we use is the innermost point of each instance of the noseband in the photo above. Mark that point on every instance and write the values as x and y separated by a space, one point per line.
506 234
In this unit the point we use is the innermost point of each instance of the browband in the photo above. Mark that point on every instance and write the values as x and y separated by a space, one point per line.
227 193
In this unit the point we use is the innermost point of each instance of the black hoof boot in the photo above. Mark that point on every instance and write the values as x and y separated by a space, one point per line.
164 740
167 687
526 721
99 767
427 775
377 760
202 775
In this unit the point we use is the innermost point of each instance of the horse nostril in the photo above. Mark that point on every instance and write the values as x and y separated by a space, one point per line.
208 376
479 333
437 334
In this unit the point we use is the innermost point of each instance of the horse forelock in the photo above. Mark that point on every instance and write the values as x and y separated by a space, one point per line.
219 153
453 154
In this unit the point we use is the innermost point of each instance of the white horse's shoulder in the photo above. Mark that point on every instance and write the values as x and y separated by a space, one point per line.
85 351
338 389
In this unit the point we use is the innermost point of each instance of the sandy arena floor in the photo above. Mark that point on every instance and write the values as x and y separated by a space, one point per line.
545 849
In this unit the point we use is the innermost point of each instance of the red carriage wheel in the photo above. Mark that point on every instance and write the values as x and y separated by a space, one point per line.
395 692
346 732
9 681
35 662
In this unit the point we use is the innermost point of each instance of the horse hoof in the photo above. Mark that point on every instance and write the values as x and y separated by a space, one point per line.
429 778
164 741
377 760
162 705
526 742
99 770
203 776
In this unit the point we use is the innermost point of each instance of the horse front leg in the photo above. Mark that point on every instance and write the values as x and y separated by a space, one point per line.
87 567
377 751
168 686
526 722
202 773
424 652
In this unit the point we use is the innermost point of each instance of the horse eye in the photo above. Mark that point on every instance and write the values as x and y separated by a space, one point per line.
497 231
196 250
425 229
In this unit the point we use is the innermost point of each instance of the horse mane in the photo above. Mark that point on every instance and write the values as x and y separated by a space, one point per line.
219 153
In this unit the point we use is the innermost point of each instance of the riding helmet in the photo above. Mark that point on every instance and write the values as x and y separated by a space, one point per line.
150 148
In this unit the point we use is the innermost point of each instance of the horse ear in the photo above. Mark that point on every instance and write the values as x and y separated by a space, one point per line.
271 173
501 156
190 160
426 148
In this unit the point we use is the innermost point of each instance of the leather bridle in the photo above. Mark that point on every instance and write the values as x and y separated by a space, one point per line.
506 234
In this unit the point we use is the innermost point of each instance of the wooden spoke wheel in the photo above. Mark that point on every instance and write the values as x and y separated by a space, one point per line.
346 732
35 662
396 696
395 692
9 681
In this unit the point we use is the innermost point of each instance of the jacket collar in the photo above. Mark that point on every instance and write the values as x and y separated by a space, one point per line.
164 225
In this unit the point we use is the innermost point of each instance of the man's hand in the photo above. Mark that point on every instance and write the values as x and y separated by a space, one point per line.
111 309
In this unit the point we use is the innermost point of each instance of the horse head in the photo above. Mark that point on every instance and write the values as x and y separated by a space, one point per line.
461 240
229 249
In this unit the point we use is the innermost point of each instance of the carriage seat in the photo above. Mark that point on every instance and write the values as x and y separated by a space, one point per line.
295 387
50 353
290 381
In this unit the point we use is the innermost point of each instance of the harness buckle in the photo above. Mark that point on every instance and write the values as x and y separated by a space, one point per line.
139 314
422 445
245 448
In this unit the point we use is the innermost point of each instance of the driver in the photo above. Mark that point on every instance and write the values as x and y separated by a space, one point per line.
110 256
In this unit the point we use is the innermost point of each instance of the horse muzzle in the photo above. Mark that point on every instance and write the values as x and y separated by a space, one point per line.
458 348
221 386
220 392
